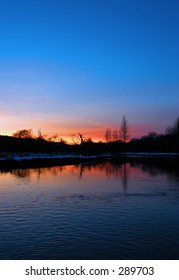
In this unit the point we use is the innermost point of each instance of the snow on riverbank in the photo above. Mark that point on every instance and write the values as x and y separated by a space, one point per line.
148 154
30 156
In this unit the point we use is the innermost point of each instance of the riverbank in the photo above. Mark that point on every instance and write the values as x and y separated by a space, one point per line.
27 160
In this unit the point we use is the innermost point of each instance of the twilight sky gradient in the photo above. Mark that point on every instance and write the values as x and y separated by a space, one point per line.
78 66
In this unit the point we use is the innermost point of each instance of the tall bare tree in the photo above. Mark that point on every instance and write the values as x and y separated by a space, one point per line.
108 135
124 130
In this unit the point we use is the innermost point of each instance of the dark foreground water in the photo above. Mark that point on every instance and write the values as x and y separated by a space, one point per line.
111 210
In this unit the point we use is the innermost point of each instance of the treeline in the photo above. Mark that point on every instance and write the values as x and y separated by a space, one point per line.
117 135
153 142
28 134
25 141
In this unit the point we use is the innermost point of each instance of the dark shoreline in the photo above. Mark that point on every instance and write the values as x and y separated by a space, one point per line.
40 162
44 162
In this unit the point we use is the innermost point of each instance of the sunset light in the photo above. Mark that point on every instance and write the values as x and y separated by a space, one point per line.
89 139
68 68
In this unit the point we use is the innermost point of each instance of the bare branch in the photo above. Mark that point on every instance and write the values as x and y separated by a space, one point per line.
124 130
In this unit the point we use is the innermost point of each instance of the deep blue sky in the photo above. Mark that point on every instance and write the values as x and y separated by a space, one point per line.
70 66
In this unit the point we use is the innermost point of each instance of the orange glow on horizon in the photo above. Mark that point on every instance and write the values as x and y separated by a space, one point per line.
66 128
96 134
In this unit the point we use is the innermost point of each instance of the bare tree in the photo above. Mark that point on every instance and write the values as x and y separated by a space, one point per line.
108 135
39 131
115 135
40 135
79 139
124 130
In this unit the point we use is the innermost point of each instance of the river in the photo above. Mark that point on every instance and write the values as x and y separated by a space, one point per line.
123 209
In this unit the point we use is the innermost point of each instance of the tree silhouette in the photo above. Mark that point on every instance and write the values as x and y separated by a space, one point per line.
173 129
40 135
115 135
124 130
108 135
24 133
80 139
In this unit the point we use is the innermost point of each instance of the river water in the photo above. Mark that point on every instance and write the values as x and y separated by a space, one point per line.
107 210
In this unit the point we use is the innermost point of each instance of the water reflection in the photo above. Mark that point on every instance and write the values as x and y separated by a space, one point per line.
158 166
113 169
125 175
118 209
110 170
37 172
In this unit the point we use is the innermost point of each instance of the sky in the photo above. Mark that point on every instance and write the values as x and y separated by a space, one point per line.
79 66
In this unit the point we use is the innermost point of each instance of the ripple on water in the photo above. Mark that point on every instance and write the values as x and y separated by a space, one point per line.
90 217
